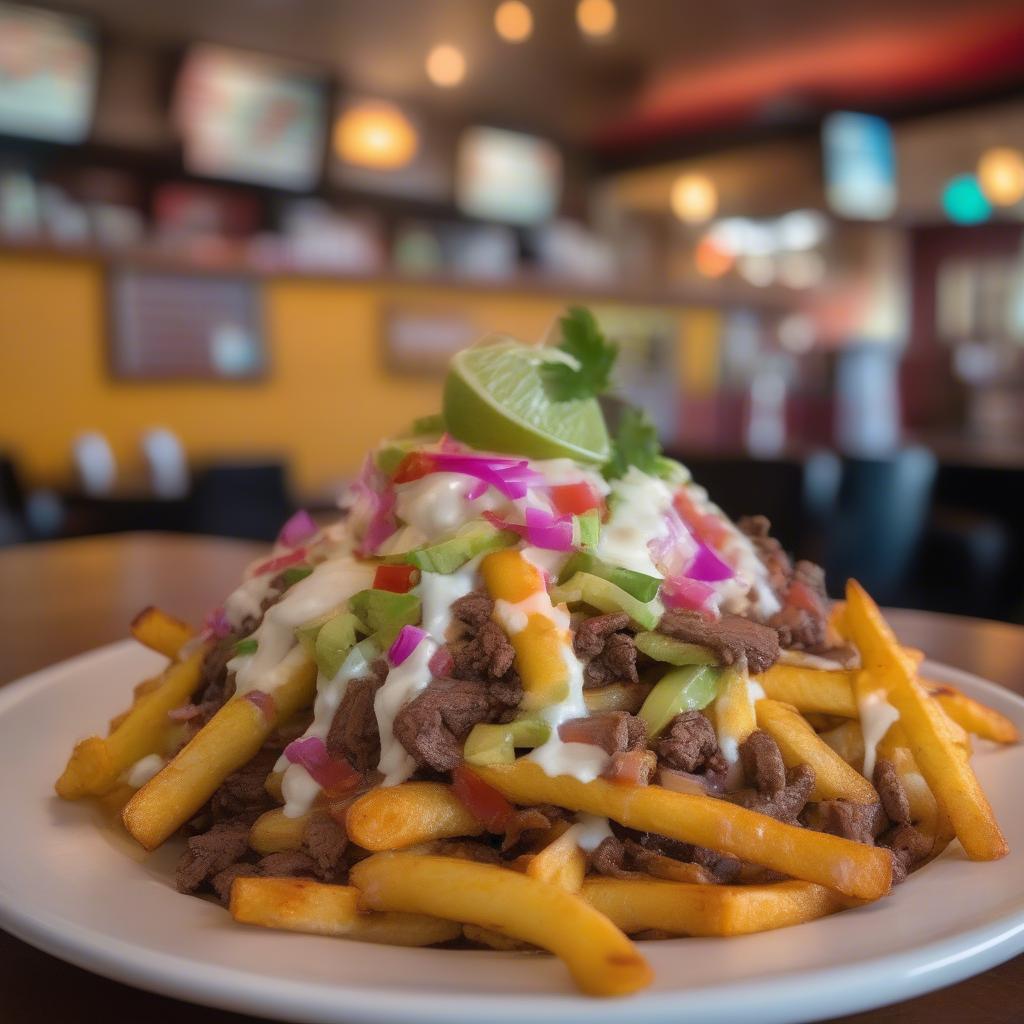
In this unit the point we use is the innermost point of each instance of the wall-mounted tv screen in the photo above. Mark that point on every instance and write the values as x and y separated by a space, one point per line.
48 69
246 117
507 176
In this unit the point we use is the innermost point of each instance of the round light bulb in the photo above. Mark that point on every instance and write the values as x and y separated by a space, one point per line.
694 198
1001 175
375 134
513 21
596 17
446 66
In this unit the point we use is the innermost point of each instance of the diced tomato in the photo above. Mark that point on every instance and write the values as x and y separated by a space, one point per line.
801 596
414 466
583 730
705 526
575 499
632 768
399 579
280 562
484 802
338 777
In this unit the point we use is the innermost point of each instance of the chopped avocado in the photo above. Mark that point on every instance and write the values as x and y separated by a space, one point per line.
636 584
306 633
445 557
334 640
674 652
295 573
496 744
246 646
683 689
671 471
428 426
606 597
384 613
588 529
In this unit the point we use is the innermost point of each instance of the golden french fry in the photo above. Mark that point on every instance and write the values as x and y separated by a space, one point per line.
924 809
273 832
600 958
834 779
494 940
972 715
301 905
230 739
96 764
395 817
811 689
616 697
852 868
160 632
636 905
944 766
847 741
733 711
561 862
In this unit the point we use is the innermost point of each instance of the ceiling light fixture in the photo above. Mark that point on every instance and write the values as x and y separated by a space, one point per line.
375 134
694 198
513 21
596 18
1001 175
446 65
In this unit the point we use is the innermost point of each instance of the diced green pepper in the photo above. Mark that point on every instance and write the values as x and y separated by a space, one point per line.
295 573
306 634
606 597
636 584
671 471
672 651
496 744
473 539
384 613
246 646
588 529
428 426
334 640
683 689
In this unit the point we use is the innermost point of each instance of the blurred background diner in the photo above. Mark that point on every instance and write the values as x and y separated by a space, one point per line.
239 241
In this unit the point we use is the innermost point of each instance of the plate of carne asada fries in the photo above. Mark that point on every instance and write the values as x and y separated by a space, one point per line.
531 692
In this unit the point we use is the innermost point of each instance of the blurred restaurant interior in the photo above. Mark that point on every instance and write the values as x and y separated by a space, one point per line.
240 239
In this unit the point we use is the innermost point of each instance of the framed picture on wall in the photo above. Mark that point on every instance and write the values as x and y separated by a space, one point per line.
179 326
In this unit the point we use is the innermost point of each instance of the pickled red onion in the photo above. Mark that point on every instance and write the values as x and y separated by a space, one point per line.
299 527
408 639
328 772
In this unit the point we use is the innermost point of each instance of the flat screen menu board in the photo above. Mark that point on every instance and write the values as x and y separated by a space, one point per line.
48 69
507 176
246 117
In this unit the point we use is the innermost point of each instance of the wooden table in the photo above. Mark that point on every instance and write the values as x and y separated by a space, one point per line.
59 599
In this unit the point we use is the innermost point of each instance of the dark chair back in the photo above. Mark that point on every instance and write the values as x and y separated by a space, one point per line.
246 500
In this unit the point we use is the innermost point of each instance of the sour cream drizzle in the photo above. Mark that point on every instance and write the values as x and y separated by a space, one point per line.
590 831
639 505
876 716
439 591
403 683
143 770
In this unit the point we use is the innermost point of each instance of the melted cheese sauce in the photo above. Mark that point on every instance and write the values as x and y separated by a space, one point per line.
403 683
876 716
639 504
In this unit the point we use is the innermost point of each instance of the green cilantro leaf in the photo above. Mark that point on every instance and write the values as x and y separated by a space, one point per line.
593 355
635 444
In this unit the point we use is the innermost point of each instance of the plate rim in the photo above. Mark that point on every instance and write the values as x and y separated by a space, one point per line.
786 997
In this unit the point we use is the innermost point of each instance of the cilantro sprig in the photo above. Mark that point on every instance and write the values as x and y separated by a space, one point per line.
592 356
635 444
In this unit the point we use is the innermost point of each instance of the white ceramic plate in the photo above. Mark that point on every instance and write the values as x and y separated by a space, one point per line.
82 891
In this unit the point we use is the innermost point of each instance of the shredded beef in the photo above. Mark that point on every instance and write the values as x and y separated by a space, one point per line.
610 651
223 880
208 854
788 802
287 864
609 858
629 858
731 637
434 726
770 551
803 621
326 842
909 847
689 744
859 822
353 733
890 788
762 762
473 609
244 792
591 634
529 819
614 731
632 767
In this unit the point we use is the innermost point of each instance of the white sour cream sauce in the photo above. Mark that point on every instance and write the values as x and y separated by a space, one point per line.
439 591
143 770
329 585
876 715
403 683
590 831
637 518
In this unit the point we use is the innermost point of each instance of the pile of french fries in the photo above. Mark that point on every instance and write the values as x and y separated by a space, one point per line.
401 890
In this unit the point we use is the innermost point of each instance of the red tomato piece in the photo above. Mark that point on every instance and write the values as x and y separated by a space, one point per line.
629 769
338 777
280 562
399 579
484 802
575 499
705 526
414 466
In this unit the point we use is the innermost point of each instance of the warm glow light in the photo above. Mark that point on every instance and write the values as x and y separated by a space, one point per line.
596 17
1001 175
375 134
513 21
446 66
694 198
711 259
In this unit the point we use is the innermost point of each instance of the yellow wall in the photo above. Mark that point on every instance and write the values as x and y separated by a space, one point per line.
325 401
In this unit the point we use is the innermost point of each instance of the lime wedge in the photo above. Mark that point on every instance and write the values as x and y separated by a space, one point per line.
495 399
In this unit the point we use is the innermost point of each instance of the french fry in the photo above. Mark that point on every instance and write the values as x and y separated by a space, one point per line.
396 817
96 764
834 779
540 644
160 632
561 862
273 832
733 710
924 809
944 766
708 910
616 697
494 940
301 905
972 715
811 689
847 741
852 868
230 739
602 961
